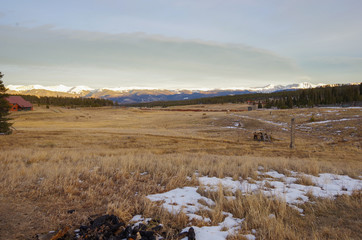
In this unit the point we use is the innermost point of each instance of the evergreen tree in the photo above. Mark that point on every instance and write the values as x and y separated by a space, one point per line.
260 105
289 102
4 109
268 104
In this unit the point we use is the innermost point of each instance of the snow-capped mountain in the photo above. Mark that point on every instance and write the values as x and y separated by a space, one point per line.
79 89
273 88
130 95
58 88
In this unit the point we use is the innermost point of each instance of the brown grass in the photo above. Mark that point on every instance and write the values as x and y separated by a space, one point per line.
91 160
305 180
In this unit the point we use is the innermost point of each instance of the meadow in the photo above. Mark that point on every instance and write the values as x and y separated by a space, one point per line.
109 160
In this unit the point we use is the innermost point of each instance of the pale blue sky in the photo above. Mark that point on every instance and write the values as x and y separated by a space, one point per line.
180 44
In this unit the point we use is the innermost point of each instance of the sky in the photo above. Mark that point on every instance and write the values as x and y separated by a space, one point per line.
183 44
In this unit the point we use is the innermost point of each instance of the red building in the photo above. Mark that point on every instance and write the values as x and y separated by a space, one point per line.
18 103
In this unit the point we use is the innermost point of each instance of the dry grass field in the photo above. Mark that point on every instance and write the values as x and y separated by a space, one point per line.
104 160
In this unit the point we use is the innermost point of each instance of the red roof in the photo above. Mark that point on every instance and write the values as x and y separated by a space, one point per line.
19 100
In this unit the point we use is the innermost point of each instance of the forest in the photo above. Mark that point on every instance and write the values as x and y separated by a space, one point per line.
326 95
68 101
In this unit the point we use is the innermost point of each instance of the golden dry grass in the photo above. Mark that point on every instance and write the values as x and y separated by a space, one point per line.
91 160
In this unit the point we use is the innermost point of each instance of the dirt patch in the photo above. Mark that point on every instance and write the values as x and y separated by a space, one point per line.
19 219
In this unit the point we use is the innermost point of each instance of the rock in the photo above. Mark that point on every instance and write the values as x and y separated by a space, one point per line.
71 211
191 234
127 232
105 220
148 235
83 229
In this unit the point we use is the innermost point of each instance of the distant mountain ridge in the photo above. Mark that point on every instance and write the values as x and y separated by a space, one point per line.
137 95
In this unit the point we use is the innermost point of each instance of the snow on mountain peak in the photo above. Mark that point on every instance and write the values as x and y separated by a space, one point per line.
305 85
23 88
79 89
57 88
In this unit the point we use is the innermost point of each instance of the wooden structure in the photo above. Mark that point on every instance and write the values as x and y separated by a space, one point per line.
18 103
292 129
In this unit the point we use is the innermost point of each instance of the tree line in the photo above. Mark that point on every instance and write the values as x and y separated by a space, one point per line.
68 101
4 109
326 95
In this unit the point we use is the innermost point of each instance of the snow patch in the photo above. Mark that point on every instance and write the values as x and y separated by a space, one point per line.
138 219
185 200
250 236
229 226
212 183
272 183
326 186
329 121
274 174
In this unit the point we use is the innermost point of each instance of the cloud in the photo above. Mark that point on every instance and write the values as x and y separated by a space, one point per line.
335 65
143 59
334 69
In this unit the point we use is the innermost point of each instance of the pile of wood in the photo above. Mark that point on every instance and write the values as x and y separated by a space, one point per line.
109 227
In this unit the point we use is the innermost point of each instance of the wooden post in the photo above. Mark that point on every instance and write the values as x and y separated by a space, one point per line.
292 124
238 131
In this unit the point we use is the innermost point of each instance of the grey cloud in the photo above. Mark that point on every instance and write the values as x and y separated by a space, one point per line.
335 69
144 57
335 64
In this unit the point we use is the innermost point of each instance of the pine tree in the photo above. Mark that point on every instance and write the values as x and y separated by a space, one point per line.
260 105
4 109
289 102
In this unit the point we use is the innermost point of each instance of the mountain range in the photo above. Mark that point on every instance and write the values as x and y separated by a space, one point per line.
135 95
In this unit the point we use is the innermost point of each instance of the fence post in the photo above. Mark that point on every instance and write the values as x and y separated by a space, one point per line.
292 125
